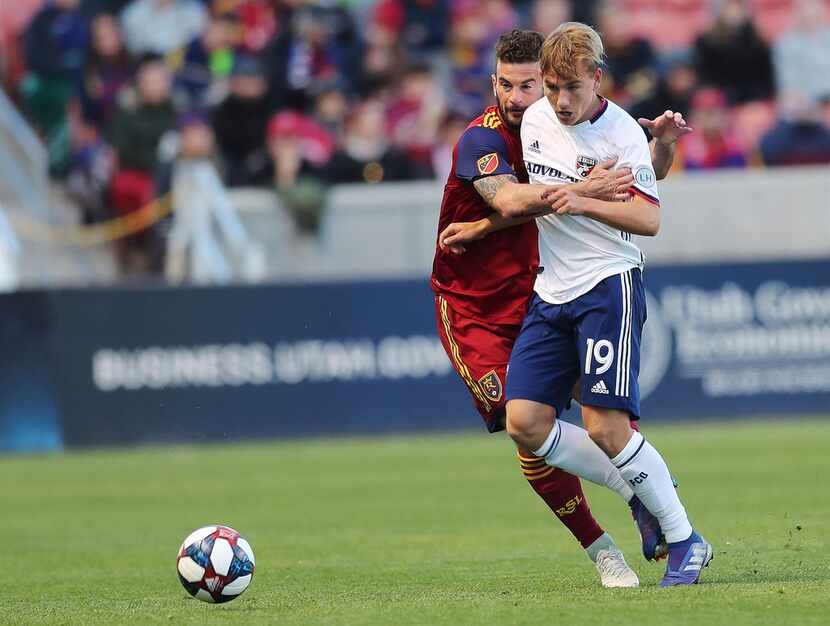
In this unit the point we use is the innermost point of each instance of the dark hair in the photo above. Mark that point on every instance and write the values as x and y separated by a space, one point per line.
519 46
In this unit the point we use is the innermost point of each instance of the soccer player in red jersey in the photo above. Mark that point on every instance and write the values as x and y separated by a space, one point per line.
481 295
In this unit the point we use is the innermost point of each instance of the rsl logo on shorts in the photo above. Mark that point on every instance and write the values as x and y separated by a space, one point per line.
491 385
488 164
584 165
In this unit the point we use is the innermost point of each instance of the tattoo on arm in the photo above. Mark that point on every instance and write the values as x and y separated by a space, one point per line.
489 186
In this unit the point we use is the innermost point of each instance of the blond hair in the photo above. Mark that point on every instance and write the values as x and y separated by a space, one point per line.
568 47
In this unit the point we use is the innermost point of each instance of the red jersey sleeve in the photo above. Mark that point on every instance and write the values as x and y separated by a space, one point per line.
482 152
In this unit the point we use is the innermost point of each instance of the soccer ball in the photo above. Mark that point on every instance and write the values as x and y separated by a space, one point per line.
215 564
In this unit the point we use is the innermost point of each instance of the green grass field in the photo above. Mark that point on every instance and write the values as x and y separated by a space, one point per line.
421 531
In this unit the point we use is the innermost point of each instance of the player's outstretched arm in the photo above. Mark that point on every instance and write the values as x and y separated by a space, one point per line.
506 195
638 217
512 199
603 183
454 236
666 130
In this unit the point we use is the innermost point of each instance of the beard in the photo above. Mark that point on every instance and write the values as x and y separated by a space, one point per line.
508 115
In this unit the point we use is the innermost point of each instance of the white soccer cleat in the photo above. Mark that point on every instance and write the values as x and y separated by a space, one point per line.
614 571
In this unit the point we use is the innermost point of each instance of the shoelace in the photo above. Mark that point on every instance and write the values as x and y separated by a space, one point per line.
612 563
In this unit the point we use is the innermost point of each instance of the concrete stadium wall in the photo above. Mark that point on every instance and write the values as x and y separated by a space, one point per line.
389 230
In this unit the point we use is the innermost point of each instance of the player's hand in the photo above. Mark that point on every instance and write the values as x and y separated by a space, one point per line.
666 128
603 183
567 202
454 236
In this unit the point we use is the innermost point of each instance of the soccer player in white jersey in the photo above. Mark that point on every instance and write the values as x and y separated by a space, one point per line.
586 317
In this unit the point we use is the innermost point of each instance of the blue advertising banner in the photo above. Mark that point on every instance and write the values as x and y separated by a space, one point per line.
124 366
209 363
727 340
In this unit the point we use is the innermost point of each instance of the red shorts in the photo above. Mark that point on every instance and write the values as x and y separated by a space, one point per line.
479 352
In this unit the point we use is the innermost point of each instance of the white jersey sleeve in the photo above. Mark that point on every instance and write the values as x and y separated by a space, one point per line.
635 154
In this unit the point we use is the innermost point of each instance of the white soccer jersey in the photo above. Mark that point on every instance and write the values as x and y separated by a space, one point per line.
577 252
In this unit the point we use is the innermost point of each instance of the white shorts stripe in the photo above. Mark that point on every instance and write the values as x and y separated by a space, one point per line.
627 365
626 303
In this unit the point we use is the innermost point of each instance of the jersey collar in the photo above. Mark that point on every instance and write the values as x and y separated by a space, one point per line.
603 106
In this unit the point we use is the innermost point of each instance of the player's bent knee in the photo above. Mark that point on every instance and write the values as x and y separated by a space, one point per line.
609 429
528 423
602 435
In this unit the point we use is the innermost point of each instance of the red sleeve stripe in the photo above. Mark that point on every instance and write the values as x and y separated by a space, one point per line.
639 192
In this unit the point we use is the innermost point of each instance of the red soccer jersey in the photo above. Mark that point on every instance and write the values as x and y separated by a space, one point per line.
494 278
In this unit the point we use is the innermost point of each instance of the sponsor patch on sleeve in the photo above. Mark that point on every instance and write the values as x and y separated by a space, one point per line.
645 177
488 164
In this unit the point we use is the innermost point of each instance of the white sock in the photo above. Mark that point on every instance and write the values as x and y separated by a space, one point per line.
569 447
646 471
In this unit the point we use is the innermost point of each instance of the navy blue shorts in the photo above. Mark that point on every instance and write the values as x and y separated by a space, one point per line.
595 337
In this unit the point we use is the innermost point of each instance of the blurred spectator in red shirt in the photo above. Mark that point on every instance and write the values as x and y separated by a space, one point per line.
713 144
240 122
135 132
804 51
800 136
630 60
162 26
257 20
731 55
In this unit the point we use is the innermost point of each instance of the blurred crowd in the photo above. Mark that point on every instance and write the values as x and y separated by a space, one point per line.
298 95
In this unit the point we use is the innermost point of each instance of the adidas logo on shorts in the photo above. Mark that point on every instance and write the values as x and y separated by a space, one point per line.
600 388
534 147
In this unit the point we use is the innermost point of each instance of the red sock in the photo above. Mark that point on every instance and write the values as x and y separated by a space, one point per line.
562 492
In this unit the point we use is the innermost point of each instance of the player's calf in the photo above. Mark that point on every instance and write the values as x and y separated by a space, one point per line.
563 494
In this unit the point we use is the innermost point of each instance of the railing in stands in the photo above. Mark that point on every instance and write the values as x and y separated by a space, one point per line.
23 161
203 210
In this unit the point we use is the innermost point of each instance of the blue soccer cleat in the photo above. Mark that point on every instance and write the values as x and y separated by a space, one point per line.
686 561
654 542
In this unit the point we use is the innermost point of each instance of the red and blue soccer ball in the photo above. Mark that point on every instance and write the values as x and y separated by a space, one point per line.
215 564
